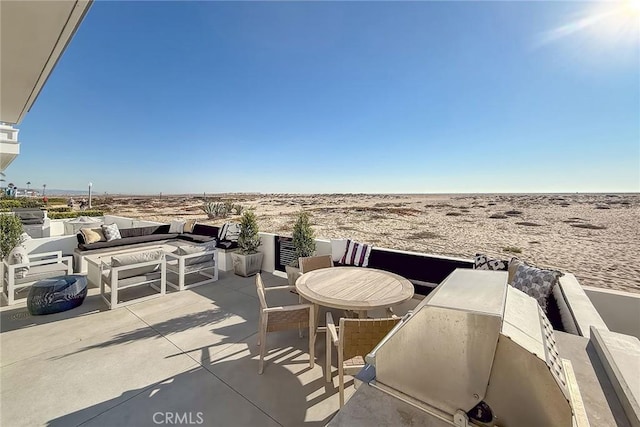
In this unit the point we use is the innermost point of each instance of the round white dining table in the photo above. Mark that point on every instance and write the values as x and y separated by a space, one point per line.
354 288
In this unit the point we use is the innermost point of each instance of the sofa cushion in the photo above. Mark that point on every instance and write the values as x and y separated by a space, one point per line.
111 232
93 235
205 230
137 258
144 231
127 241
196 238
190 250
226 244
43 271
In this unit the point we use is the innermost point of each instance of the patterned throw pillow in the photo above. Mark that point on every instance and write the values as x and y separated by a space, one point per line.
535 282
222 231
357 254
111 232
483 262
230 231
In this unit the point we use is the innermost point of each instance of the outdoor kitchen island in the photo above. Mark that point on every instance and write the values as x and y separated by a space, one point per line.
479 352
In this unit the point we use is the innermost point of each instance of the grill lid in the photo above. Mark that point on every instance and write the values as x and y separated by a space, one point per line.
477 341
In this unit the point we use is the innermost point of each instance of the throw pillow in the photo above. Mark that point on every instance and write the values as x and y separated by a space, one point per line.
483 262
177 226
535 282
111 232
188 226
93 235
19 255
338 249
222 231
190 250
357 254
513 266
137 258
232 232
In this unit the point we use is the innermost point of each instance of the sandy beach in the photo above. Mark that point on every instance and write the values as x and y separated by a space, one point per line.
594 236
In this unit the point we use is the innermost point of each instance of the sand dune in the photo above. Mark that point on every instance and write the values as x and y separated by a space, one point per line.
594 236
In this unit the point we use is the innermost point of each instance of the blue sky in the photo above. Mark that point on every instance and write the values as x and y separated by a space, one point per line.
188 97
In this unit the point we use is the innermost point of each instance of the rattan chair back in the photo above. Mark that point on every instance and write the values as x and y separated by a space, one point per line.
358 337
311 263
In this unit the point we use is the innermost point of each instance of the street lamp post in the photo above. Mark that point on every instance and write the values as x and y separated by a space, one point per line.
90 185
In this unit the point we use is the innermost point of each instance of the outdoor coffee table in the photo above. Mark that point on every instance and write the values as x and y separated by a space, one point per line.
354 288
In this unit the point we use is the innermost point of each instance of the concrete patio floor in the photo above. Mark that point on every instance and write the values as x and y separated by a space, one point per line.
186 358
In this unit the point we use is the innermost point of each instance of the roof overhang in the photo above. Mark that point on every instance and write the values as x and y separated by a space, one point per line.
33 36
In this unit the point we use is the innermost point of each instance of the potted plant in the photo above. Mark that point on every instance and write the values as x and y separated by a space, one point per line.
304 244
10 232
248 261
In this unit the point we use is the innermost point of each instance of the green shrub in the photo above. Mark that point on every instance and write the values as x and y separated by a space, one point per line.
303 237
56 201
8 204
248 240
10 231
220 209
64 215
59 209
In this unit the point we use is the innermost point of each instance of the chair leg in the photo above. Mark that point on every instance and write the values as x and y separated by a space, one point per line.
341 382
328 357
259 328
312 337
10 291
263 345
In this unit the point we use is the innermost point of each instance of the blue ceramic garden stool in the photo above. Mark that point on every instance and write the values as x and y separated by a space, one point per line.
57 294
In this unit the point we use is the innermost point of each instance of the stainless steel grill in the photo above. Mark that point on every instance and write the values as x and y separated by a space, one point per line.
477 351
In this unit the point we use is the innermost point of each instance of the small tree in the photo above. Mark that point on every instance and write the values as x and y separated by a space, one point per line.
248 240
10 231
303 238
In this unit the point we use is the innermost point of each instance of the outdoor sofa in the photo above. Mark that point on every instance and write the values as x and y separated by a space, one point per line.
134 236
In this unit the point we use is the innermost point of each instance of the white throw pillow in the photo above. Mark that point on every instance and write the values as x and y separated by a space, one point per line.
177 226
19 255
111 232
338 248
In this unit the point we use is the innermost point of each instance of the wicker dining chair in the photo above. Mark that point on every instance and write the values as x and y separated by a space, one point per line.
354 339
282 318
311 263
